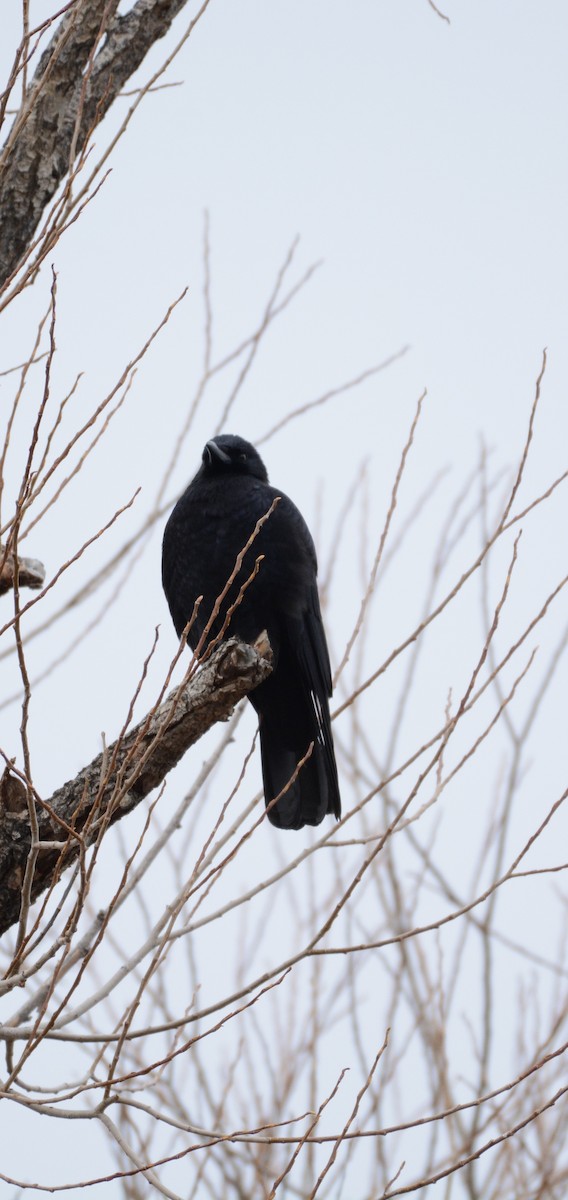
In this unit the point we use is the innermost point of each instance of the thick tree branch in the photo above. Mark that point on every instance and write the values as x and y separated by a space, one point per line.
93 52
78 813
28 571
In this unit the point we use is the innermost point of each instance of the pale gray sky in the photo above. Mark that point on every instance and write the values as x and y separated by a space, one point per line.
426 164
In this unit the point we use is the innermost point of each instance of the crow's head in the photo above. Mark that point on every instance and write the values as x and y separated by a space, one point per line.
228 454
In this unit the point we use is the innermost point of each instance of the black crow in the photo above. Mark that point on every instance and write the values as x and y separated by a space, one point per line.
208 528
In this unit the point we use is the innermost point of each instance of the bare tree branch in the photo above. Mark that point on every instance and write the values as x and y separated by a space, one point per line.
91 55
118 778
28 571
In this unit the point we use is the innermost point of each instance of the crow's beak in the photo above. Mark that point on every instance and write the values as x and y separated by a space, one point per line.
211 451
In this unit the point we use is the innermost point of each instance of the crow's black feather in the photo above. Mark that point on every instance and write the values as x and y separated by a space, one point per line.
208 528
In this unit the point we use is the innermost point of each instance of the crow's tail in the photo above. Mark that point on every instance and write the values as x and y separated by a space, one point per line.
310 797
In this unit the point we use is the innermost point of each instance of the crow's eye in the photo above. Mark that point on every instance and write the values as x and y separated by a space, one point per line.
242 458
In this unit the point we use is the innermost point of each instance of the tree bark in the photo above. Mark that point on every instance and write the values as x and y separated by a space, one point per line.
78 813
27 571
92 54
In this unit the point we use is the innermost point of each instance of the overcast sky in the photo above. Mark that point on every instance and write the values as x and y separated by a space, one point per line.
425 165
